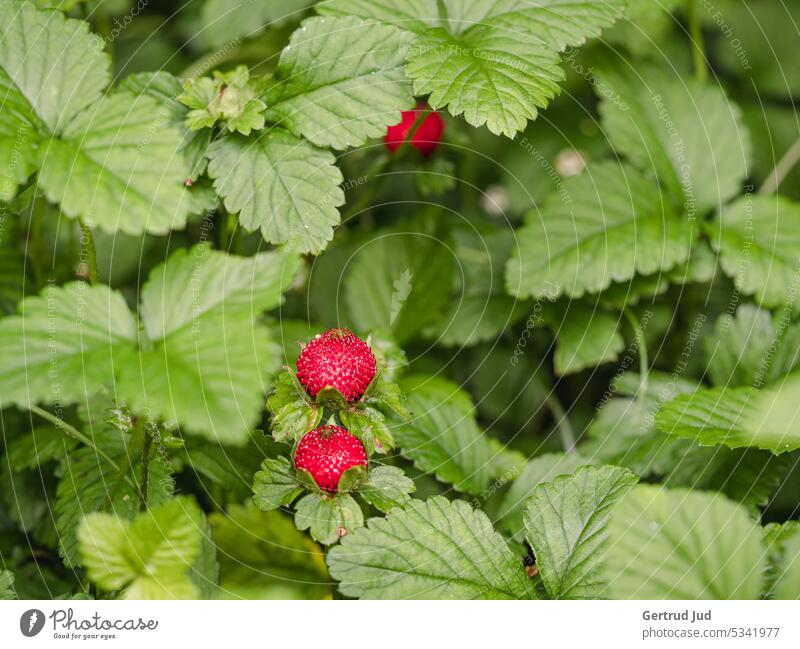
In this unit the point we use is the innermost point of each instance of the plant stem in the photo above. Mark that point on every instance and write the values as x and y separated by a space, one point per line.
782 169
147 446
644 362
562 421
73 432
122 473
87 238
698 46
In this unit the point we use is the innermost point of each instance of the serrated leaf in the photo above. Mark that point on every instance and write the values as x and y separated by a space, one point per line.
757 241
54 62
539 470
328 518
566 526
340 81
281 185
442 437
679 544
65 344
275 485
369 425
224 21
435 549
688 133
118 168
150 556
607 225
738 417
586 336
387 487
783 546
748 350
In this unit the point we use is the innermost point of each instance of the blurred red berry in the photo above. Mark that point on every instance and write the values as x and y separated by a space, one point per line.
425 139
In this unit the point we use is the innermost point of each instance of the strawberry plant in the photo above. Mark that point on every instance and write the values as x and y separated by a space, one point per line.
432 299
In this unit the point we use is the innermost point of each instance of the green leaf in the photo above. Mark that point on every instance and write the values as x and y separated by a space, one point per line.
783 547
606 225
281 185
387 487
443 437
340 81
7 585
488 74
328 518
264 556
369 425
494 62
679 544
687 132
749 350
224 21
276 484
65 344
566 527
119 168
738 417
149 557
757 241
54 63
586 336
542 469
399 281
435 549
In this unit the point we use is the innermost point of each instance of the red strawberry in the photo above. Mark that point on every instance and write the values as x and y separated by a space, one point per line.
340 359
426 137
327 452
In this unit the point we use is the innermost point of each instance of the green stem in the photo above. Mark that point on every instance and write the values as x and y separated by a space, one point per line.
73 432
782 169
562 421
698 45
122 473
147 446
91 252
644 362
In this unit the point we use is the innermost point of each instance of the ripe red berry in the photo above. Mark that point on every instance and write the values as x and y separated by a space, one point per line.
426 137
337 358
327 452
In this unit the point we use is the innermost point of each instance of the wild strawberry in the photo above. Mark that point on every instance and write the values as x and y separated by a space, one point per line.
426 137
339 359
327 452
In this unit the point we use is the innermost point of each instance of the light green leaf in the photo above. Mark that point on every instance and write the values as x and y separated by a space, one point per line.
758 241
149 557
413 15
738 417
276 484
119 167
679 544
53 62
566 527
340 81
606 225
7 585
199 282
688 133
224 21
280 184
328 518
539 470
435 549
369 425
387 487
783 546
749 350
65 344
442 436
